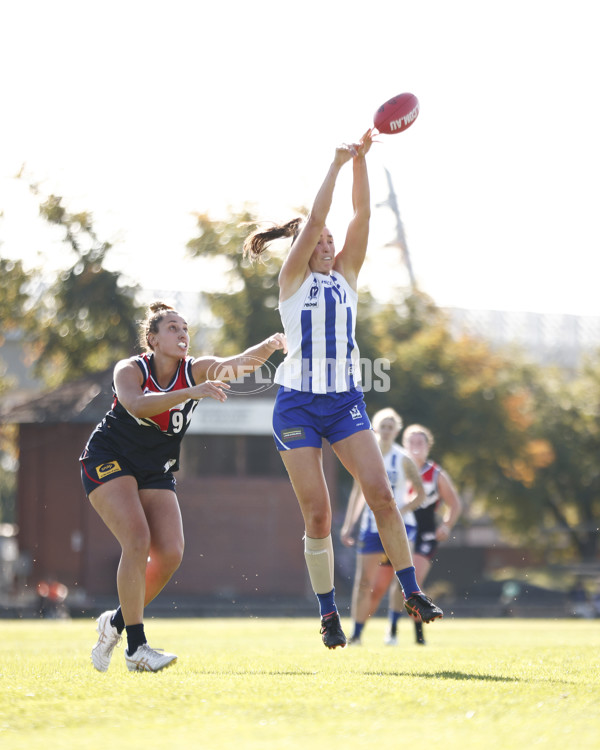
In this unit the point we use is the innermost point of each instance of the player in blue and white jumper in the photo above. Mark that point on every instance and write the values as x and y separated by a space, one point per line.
128 463
320 396
374 573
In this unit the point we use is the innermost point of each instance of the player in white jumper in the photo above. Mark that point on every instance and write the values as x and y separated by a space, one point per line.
373 570
319 395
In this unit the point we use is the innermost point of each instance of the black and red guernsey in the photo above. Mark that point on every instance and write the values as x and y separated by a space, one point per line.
150 442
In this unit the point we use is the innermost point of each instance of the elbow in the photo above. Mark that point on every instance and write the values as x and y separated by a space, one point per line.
136 411
316 220
137 407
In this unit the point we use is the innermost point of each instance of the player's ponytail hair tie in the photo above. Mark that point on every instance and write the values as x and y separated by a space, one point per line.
257 242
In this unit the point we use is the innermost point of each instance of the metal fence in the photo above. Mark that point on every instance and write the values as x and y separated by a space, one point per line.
546 338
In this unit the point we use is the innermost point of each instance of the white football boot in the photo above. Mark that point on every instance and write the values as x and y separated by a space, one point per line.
108 638
146 659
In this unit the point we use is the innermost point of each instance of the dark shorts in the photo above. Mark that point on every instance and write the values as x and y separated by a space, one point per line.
98 468
370 541
303 419
426 544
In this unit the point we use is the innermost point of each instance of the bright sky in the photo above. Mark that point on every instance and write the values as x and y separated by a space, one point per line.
145 112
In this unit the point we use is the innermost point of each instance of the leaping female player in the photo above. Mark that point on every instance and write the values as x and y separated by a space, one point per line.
320 395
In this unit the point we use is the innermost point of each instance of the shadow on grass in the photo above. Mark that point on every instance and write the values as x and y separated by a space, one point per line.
446 675
258 673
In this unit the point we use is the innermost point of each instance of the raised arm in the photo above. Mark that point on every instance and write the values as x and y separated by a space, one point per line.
352 256
128 381
231 368
295 267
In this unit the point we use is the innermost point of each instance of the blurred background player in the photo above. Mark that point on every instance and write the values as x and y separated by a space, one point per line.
439 491
320 395
374 573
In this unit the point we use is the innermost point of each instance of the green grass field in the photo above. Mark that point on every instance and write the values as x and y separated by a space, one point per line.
270 683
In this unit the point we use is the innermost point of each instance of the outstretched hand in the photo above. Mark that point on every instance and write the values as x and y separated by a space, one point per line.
347 539
278 341
365 143
211 389
345 152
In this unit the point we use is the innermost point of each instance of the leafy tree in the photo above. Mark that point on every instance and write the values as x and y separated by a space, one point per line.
457 388
554 482
87 319
14 296
248 311
517 437
15 312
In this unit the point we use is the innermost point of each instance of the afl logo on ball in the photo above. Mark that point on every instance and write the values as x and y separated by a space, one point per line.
105 469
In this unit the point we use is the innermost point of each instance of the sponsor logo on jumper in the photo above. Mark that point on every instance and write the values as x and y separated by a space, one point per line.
292 433
355 412
109 468
312 298
404 121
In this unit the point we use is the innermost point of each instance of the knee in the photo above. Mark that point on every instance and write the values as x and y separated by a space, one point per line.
365 584
168 559
318 523
138 545
380 499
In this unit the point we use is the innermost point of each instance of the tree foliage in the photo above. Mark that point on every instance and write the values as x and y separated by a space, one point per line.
554 480
247 306
14 295
522 439
15 309
87 319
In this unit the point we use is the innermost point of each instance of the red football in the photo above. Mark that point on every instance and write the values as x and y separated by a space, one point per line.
397 114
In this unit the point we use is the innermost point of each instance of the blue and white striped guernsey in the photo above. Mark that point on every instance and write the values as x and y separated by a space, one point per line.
319 321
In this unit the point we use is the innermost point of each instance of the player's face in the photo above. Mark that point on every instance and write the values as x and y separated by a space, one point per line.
321 261
417 446
387 430
173 338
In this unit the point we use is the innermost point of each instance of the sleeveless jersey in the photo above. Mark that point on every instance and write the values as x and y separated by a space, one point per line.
151 443
425 514
394 466
319 321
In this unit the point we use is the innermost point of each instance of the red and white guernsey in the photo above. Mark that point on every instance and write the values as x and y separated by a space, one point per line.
425 515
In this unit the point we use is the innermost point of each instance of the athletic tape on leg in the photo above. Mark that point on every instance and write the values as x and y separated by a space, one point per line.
318 554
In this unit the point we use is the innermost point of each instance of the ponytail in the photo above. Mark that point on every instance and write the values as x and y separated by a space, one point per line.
256 243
